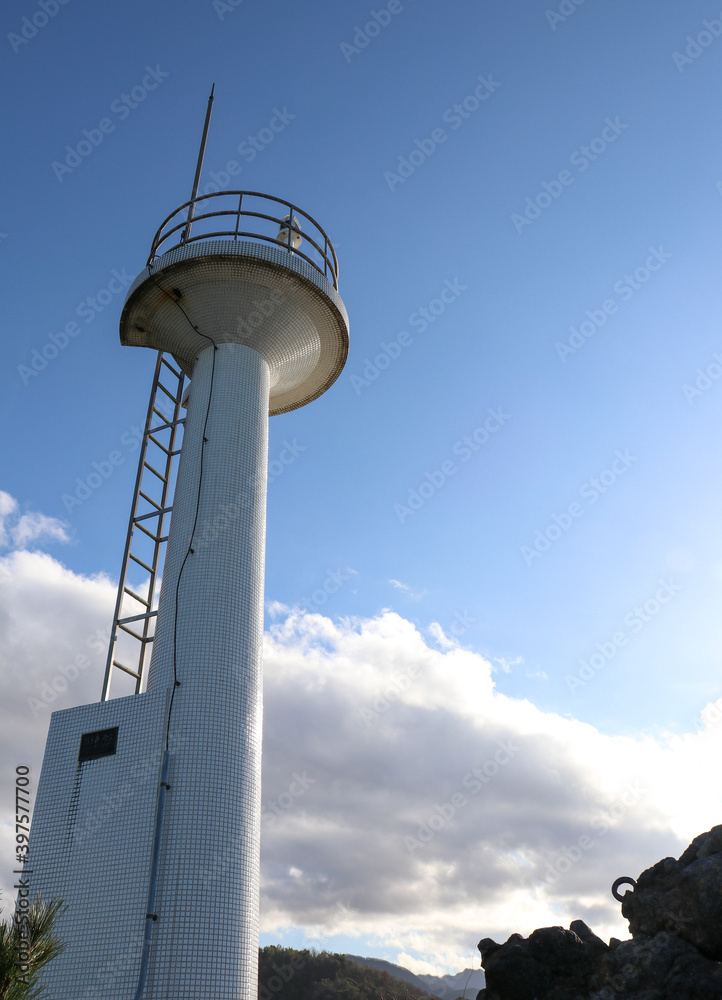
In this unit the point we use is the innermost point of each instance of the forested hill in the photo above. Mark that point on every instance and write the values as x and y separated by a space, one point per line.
286 974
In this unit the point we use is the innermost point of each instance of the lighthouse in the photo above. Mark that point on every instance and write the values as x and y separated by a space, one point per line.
147 820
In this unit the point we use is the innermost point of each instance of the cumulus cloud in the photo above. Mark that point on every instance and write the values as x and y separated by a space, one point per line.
33 526
437 810
406 801
27 528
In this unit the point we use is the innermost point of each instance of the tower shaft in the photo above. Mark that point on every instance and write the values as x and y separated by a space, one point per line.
209 638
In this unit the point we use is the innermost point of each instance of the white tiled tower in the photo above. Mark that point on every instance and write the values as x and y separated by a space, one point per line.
261 329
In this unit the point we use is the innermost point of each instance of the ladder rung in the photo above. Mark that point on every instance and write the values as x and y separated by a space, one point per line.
147 465
136 597
141 563
168 394
137 618
157 443
148 533
127 670
170 367
153 513
150 500
166 425
140 638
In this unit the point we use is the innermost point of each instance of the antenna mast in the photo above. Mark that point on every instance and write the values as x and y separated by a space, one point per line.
199 167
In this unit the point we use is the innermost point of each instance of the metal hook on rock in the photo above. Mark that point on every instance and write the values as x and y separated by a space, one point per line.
624 880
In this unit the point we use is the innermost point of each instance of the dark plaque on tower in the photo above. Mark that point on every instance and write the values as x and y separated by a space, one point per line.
101 743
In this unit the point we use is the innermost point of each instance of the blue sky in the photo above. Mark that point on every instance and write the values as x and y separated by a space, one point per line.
584 188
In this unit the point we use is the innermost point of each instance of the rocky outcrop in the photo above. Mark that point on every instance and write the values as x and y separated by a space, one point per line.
682 897
675 917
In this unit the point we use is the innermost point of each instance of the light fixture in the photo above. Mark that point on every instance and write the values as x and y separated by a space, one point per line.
289 233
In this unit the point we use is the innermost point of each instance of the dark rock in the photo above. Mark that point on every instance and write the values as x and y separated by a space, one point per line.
703 846
514 974
675 916
683 897
588 936
487 947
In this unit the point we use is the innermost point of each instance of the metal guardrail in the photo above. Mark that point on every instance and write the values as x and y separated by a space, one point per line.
249 205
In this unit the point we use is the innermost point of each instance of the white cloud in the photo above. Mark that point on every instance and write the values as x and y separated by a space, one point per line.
427 808
506 664
29 527
33 526
437 632
415 595
275 609
8 505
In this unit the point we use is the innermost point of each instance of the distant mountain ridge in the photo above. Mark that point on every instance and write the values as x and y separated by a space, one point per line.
466 984
446 987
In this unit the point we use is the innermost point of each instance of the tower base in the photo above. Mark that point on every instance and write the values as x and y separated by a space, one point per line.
92 839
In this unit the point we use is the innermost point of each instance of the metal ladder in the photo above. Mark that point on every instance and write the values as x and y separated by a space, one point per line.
147 535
